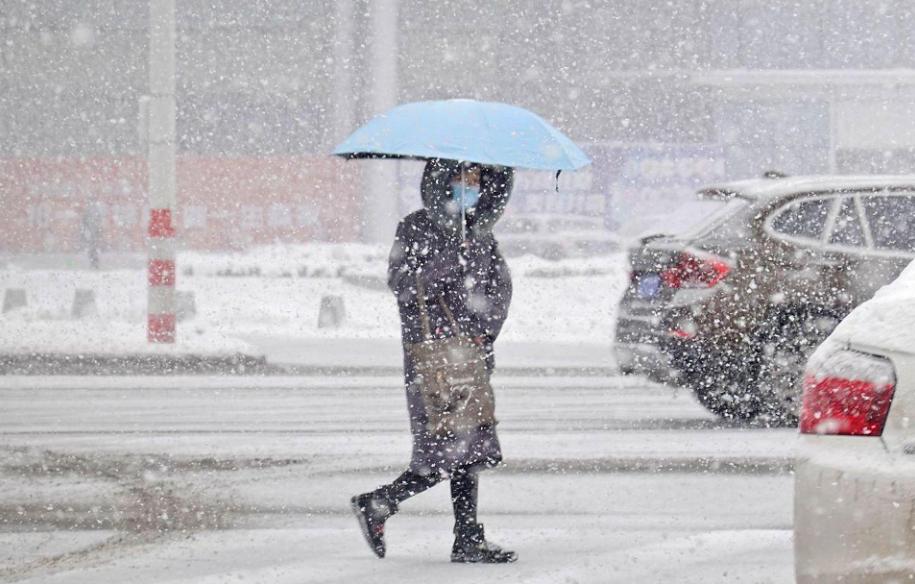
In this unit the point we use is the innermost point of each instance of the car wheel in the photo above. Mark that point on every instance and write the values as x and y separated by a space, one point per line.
784 350
726 390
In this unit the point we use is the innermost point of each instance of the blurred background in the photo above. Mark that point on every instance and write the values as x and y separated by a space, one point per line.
664 96
281 262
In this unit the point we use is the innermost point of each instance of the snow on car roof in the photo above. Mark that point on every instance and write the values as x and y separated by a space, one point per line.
758 188
885 321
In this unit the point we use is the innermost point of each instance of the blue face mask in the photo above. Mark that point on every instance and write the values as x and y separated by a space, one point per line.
465 196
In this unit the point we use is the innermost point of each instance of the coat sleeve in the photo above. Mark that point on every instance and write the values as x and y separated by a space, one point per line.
499 292
411 259
402 266
490 295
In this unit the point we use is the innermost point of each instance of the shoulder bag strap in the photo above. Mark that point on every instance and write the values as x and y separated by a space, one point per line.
454 322
423 311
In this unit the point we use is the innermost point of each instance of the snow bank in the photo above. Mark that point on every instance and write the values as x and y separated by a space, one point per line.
315 260
887 320
276 291
103 337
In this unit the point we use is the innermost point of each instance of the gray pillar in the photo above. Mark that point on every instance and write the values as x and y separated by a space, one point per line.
380 177
161 131
343 122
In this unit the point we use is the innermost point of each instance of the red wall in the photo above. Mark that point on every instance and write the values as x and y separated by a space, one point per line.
223 203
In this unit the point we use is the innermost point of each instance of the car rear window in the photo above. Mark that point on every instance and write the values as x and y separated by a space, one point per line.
847 230
892 221
804 219
715 213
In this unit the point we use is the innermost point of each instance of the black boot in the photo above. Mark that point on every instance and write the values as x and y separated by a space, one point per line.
372 512
470 547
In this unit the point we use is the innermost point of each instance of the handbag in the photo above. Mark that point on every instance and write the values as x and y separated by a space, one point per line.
451 377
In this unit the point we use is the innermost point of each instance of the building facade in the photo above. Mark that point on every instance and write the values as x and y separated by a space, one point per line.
666 94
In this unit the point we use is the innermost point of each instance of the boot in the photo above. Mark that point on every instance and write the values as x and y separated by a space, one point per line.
372 512
470 547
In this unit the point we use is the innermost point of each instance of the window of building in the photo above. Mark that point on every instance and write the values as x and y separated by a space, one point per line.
195 216
252 217
279 215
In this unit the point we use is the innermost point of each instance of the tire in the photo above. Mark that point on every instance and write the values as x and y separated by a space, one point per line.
784 351
726 389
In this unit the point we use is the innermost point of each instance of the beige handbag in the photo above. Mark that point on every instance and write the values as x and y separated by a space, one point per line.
452 377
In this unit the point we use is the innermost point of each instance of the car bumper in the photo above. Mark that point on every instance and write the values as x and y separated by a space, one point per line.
645 359
854 511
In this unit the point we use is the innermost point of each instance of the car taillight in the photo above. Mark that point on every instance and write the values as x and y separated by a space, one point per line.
692 271
847 393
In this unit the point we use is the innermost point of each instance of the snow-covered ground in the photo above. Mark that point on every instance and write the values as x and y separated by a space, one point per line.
214 479
268 299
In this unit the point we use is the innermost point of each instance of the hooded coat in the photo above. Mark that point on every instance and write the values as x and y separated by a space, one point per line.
471 277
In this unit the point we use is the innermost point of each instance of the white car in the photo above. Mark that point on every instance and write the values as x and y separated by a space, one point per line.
854 518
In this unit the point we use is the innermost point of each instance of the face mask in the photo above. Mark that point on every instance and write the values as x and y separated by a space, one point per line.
465 196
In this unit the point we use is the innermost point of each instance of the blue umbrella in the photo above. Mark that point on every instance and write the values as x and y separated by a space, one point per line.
468 131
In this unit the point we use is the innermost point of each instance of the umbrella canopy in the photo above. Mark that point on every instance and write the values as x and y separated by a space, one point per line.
466 130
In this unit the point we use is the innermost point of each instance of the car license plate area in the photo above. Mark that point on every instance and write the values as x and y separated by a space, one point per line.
648 286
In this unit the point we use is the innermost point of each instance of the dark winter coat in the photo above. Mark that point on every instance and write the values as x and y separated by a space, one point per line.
471 277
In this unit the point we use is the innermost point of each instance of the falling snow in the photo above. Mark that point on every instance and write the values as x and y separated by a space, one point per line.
696 213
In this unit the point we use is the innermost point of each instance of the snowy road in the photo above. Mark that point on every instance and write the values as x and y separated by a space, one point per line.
209 479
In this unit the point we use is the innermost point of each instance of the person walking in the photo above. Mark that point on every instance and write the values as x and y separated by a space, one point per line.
450 280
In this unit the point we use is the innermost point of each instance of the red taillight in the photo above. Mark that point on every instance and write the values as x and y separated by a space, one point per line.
847 393
692 271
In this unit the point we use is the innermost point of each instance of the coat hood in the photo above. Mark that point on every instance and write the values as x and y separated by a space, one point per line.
496 184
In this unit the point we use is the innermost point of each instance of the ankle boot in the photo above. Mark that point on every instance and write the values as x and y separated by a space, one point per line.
372 511
470 547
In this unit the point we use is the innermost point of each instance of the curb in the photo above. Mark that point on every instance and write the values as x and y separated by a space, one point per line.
388 371
709 464
88 364
237 364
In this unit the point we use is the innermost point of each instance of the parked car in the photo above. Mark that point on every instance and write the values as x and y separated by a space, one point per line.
555 237
733 308
855 477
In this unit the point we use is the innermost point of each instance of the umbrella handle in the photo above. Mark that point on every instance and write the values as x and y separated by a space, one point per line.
463 212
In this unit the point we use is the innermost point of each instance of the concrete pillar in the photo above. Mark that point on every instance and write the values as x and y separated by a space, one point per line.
186 305
380 177
84 304
343 100
14 298
332 312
